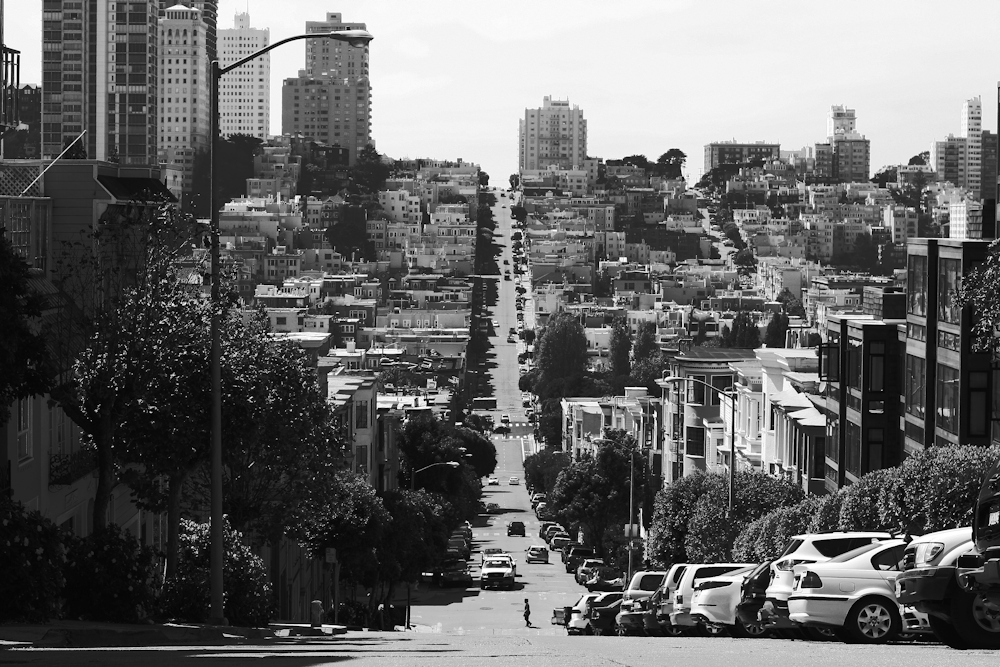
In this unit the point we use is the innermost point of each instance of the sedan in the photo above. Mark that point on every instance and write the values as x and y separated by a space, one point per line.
493 481
854 593
513 481
558 541
537 554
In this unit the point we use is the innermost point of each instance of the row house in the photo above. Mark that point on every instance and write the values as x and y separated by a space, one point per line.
401 206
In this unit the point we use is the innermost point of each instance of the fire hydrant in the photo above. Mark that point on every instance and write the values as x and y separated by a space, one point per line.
316 613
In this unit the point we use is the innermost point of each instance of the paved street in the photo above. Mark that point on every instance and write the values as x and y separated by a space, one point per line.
520 649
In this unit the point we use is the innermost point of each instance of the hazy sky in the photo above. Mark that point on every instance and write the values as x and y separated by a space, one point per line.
451 78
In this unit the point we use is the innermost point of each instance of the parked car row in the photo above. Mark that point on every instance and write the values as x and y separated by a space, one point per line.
852 586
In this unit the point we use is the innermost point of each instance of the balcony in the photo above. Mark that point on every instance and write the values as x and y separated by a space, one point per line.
64 470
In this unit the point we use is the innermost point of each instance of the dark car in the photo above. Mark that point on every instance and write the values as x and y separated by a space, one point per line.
515 528
543 526
602 619
573 556
752 595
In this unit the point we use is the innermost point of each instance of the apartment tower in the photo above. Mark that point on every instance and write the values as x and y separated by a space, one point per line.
184 90
209 15
99 74
244 93
330 100
554 135
959 160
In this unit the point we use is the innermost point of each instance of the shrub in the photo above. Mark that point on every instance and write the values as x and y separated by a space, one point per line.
109 577
672 509
32 556
766 538
827 515
186 595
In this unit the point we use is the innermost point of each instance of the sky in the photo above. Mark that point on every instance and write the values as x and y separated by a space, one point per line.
450 79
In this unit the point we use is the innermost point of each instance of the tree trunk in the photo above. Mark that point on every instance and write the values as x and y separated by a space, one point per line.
176 483
105 477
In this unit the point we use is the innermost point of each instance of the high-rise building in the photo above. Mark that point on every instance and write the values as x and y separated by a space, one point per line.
331 58
26 143
184 95
330 100
846 154
840 121
244 93
99 73
958 160
209 15
554 135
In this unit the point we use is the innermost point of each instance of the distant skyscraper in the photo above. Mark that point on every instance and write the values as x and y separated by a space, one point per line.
99 73
554 135
840 121
333 59
330 100
209 14
845 157
184 103
959 160
245 93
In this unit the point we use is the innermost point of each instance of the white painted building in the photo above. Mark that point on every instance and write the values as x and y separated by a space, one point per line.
245 93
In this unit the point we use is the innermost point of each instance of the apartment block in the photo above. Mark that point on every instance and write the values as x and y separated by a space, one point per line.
245 93
336 111
553 135
99 74
734 152
334 59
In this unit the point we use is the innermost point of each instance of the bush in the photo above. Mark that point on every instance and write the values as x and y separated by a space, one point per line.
766 537
827 515
32 556
110 576
672 509
187 595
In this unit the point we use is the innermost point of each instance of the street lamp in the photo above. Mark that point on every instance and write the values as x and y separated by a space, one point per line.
356 38
732 432
413 475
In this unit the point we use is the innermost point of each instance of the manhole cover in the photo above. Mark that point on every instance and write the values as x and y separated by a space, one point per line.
486 608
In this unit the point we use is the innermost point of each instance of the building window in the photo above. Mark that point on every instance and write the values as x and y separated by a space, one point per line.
361 414
949 282
854 363
947 398
876 366
876 442
23 429
696 390
853 462
695 441
916 378
916 285
977 409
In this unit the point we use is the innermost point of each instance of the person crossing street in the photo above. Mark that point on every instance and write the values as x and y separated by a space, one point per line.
527 614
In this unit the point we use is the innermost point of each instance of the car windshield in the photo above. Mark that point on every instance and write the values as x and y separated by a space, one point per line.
854 553
497 563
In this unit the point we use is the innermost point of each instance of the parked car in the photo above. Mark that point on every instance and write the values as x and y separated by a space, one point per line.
493 481
558 541
606 579
579 624
543 526
930 585
455 573
752 592
492 508
489 551
537 498
603 619
630 619
497 573
515 528
666 599
551 530
587 569
681 617
714 601
537 554
460 545
804 549
562 615
854 593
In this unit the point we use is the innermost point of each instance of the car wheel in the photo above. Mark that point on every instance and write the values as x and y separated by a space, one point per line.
621 631
945 633
974 620
751 630
671 630
588 630
820 634
873 620
712 630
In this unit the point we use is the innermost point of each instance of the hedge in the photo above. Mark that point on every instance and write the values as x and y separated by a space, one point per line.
110 576
32 557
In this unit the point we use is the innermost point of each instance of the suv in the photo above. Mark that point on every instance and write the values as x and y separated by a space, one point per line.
803 549
515 528
630 618
573 556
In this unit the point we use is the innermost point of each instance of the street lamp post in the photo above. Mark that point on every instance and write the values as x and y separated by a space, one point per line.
413 475
357 38
732 432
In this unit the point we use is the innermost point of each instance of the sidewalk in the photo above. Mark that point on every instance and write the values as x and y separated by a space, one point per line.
85 634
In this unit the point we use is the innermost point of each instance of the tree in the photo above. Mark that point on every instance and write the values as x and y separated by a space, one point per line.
645 344
620 347
541 470
484 179
672 510
648 369
640 161
514 180
979 291
744 333
885 175
76 149
672 163
777 327
732 232
766 538
791 304
23 356
562 351
119 278
236 152
920 158
370 171
480 452
426 440
745 262
519 213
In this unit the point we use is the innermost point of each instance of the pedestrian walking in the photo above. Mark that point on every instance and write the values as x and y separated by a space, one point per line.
527 614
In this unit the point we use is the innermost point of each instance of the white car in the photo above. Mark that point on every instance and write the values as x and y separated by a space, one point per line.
713 605
854 592
513 481
579 623
497 572
681 617
809 548
493 481
667 589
